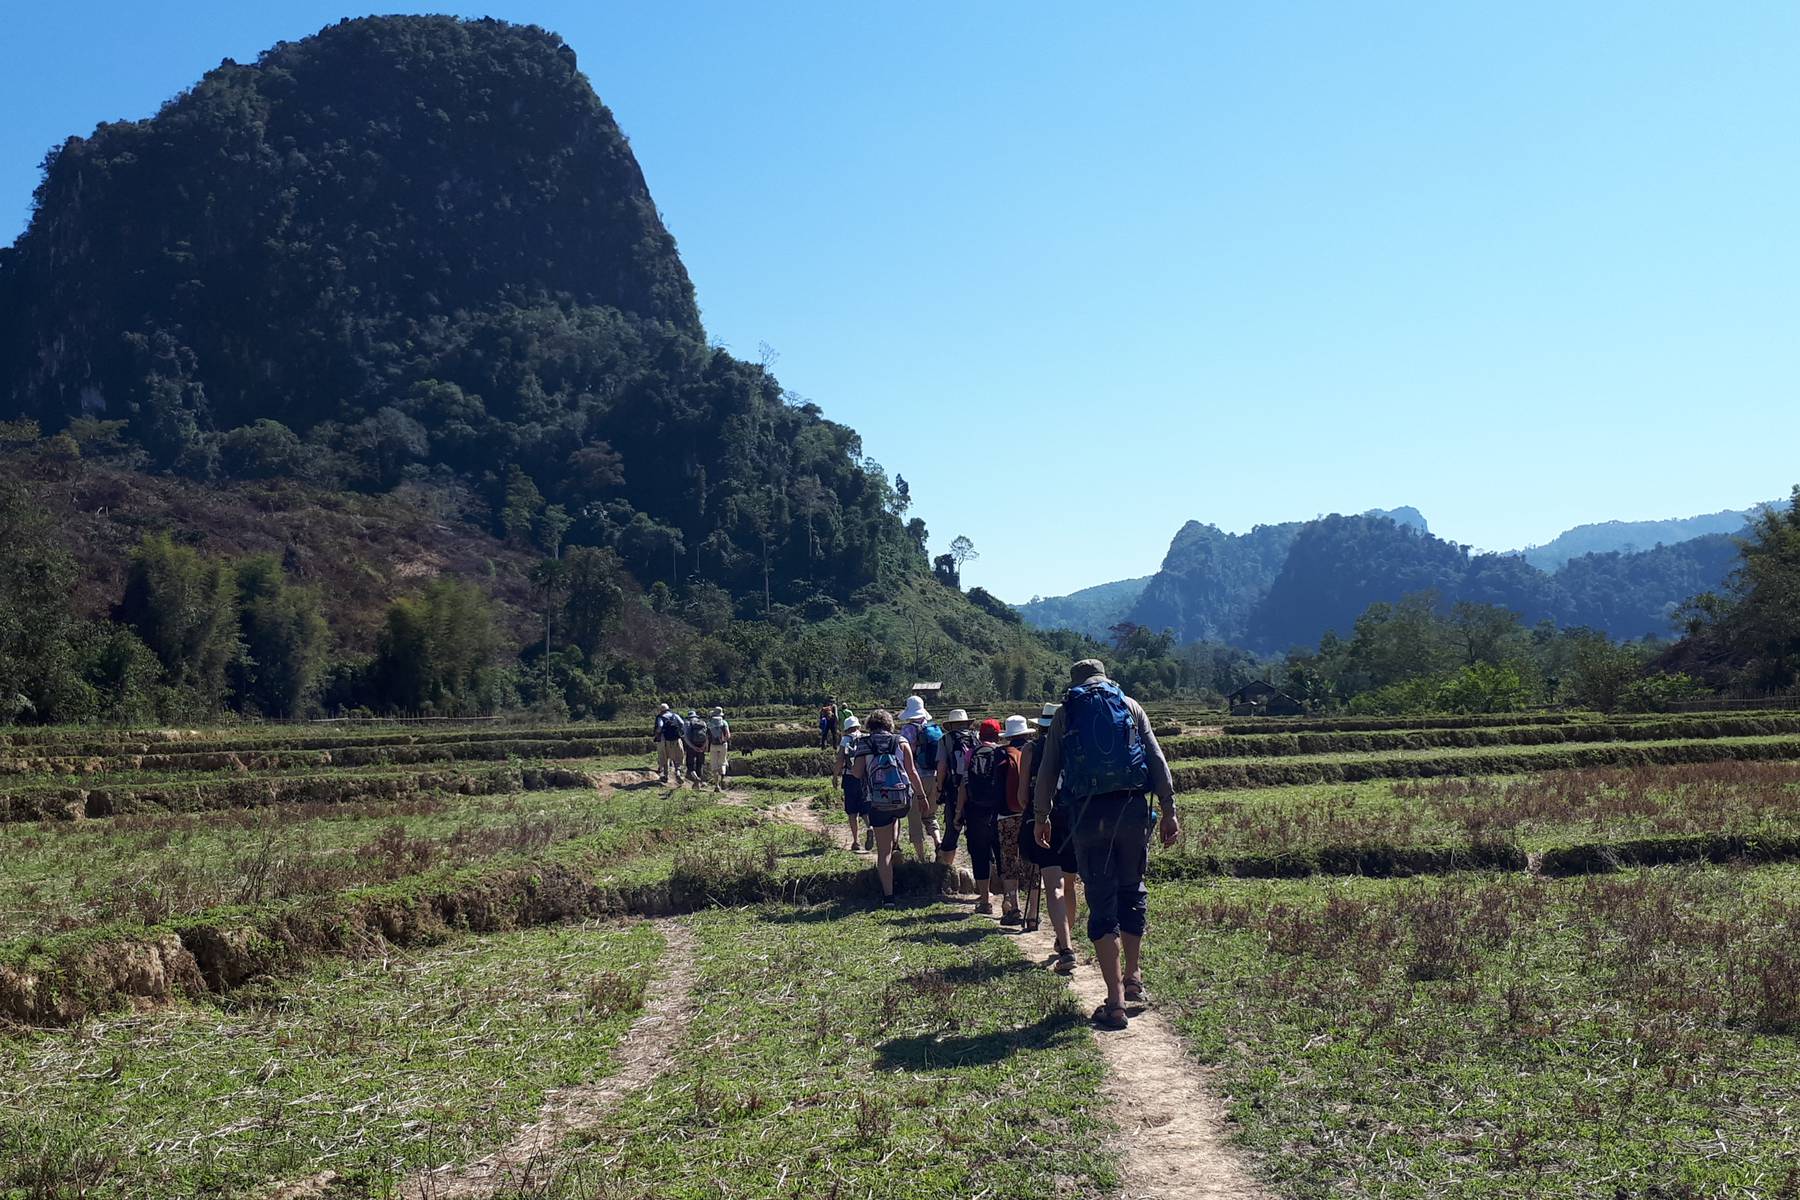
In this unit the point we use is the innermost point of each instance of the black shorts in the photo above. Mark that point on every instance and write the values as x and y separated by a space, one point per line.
879 820
1061 853
854 803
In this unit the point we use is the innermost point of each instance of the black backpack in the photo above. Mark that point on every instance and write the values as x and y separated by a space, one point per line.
986 783
668 727
695 734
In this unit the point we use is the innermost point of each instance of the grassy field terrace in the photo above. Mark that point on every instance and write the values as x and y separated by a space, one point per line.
1536 955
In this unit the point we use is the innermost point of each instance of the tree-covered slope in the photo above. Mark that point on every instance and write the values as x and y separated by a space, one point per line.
417 247
1091 611
1211 580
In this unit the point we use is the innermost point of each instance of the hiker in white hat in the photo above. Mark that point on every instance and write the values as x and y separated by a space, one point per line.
953 752
926 739
849 747
1014 870
1055 862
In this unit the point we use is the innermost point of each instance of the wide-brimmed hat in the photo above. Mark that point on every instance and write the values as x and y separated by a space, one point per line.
692 713
914 710
1047 716
1016 726
851 723
718 712
1086 669
955 716
662 708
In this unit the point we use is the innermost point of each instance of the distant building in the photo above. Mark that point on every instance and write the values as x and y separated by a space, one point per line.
1262 699
926 691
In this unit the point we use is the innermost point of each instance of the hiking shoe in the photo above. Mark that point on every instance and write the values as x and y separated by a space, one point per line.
1065 961
985 909
889 902
1012 918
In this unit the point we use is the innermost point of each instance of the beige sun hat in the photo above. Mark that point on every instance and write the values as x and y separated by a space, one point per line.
1016 726
1047 716
955 716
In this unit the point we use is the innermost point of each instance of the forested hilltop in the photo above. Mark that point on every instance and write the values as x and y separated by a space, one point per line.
371 362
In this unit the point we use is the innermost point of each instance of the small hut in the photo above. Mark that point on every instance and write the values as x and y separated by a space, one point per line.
928 692
1262 699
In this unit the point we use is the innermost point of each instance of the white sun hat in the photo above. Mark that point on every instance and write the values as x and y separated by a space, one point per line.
1048 715
955 716
851 724
1016 726
915 711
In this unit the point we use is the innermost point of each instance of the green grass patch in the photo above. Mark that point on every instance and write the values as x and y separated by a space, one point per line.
900 1054
370 1068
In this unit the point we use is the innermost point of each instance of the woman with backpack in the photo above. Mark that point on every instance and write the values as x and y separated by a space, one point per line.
953 754
926 738
986 793
890 781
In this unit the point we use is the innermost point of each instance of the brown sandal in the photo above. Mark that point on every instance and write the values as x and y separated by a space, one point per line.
1134 991
1110 1016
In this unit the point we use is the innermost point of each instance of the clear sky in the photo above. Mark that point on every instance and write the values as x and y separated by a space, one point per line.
1082 272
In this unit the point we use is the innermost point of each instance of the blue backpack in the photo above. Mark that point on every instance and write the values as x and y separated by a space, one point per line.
1101 749
926 746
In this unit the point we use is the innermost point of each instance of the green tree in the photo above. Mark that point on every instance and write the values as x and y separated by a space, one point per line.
595 597
436 653
40 677
183 605
283 636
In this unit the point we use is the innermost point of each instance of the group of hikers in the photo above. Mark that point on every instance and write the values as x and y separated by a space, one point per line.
1042 806
691 750
1070 799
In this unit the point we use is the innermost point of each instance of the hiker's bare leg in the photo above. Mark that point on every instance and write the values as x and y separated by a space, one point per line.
884 857
915 830
1134 948
853 841
1055 885
1106 953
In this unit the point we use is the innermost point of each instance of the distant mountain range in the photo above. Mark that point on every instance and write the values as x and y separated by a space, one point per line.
1630 536
1279 586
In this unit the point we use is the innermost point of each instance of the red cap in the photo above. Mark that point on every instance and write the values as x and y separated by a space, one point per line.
990 730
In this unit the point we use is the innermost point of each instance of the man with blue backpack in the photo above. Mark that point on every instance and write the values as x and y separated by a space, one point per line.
1102 749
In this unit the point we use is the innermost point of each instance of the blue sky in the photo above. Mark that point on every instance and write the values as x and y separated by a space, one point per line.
1081 275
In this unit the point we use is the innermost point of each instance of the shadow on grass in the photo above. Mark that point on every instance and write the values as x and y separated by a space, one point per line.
967 936
930 918
933 1051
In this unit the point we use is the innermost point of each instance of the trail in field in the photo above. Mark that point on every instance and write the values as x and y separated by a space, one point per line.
1172 1142
644 1054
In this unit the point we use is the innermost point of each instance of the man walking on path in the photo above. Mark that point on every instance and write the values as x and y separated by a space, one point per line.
693 745
668 745
1101 745
926 739
718 748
